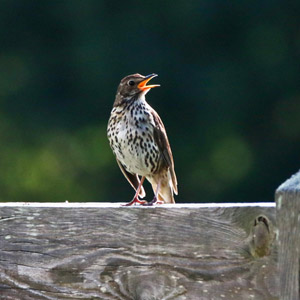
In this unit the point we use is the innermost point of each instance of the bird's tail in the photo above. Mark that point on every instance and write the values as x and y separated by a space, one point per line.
166 195
165 191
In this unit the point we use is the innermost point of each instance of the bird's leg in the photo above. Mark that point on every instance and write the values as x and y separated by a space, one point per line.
155 199
136 199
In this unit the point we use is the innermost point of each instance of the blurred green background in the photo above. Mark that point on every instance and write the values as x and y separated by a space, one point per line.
229 95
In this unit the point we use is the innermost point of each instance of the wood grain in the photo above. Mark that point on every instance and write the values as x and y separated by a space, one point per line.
288 218
98 251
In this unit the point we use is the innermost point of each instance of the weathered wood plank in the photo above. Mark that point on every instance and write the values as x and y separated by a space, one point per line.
288 218
97 251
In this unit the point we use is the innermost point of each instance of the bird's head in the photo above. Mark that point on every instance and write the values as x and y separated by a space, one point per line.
132 86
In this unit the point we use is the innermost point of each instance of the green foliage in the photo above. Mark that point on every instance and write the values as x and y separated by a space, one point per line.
229 96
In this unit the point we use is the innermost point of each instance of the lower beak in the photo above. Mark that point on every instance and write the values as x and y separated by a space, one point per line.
143 85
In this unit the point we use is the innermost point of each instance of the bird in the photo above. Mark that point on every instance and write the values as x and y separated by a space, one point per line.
138 139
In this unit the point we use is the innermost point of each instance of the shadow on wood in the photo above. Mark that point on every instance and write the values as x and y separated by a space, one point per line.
105 251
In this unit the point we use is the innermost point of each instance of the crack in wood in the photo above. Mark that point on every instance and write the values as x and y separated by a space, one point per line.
109 253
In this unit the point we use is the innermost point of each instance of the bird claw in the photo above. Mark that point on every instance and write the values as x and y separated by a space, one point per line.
155 201
136 201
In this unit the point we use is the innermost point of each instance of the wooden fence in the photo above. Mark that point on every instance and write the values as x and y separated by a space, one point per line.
182 251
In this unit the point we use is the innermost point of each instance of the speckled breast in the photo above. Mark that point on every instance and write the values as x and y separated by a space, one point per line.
130 133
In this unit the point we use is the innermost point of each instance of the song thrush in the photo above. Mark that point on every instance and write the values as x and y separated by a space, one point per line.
139 141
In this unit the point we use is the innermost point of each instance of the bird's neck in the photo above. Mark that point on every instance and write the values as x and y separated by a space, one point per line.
141 98
128 101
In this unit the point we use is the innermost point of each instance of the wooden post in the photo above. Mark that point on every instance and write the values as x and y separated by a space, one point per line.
288 221
106 251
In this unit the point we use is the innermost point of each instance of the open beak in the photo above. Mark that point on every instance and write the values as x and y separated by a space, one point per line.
143 85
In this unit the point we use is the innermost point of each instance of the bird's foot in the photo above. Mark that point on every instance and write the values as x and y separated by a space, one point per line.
136 201
155 201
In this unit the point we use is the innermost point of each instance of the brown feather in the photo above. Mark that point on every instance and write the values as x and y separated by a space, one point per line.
161 138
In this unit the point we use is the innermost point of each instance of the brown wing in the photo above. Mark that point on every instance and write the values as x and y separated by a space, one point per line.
161 138
132 179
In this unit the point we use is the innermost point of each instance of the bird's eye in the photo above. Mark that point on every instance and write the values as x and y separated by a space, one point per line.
131 82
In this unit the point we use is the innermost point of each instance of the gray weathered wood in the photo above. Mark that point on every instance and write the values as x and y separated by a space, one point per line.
98 251
288 219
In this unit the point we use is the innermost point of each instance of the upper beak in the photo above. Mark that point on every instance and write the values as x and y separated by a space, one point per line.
143 85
